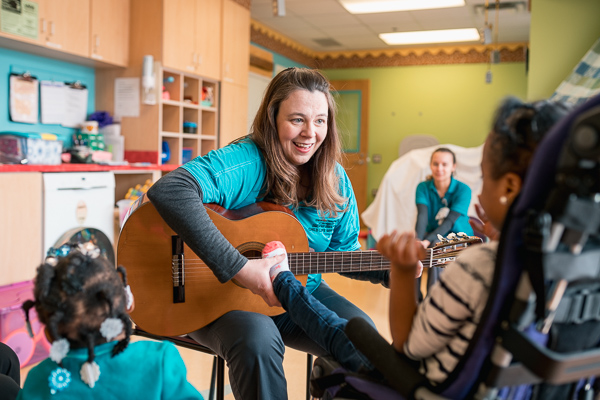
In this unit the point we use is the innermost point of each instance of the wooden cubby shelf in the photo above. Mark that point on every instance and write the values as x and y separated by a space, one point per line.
184 105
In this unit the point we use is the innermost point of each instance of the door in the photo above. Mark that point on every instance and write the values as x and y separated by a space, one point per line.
352 99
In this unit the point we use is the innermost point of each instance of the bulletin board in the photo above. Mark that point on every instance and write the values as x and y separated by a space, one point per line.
44 70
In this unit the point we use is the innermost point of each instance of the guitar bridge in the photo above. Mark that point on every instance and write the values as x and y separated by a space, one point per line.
178 270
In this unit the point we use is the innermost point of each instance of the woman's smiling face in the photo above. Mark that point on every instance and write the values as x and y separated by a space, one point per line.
302 125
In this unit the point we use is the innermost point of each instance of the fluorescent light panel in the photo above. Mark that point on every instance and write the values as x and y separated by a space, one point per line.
380 6
441 36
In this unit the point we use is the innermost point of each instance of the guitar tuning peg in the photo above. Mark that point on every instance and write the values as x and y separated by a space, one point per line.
462 235
441 238
452 236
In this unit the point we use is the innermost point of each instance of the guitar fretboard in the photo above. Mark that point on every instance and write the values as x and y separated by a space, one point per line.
338 261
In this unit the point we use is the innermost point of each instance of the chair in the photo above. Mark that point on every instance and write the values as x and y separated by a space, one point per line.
539 335
412 142
218 368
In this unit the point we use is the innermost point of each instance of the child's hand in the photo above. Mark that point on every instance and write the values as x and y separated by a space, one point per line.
485 226
403 250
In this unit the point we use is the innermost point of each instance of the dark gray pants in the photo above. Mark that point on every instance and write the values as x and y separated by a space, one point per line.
253 345
10 373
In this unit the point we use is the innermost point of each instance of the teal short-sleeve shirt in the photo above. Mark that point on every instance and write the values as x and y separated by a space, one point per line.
457 198
233 177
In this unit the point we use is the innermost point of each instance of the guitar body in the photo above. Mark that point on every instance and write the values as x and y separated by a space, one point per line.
145 248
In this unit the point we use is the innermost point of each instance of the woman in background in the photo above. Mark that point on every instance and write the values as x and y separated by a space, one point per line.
442 204
442 201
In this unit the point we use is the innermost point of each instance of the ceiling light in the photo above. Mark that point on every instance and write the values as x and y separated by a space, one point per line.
380 6
441 36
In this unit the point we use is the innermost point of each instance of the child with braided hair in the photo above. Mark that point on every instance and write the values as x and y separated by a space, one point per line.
84 303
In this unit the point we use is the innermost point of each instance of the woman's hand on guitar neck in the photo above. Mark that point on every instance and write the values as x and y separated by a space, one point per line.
255 277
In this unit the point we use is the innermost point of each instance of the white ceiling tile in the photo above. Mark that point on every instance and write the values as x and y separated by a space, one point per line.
306 20
318 7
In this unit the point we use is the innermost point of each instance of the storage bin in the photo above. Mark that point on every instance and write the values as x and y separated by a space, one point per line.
30 148
13 331
116 145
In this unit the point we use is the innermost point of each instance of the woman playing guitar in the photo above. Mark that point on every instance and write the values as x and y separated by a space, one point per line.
289 158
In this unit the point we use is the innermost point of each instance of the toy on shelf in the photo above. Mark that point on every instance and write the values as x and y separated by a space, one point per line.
207 96
135 192
132 195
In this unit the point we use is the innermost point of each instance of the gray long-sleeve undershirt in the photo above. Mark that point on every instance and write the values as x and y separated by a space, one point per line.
442 229
177 197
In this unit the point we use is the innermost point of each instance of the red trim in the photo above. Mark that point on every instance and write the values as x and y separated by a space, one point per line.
134 156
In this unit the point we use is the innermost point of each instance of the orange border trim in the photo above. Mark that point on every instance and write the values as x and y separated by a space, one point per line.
456 54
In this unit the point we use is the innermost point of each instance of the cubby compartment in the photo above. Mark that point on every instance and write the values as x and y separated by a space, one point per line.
191 90
209 123
193 145
171 121
174 150
190 120
207 145
172 85
209 94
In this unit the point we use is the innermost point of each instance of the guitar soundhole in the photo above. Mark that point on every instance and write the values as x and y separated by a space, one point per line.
251 250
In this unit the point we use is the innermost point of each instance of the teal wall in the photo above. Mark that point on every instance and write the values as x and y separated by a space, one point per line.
43 69
561 33
451 102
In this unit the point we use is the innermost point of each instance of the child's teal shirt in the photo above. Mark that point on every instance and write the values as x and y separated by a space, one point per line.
144 370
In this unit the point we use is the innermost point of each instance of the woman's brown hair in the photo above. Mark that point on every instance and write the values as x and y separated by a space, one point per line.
283 177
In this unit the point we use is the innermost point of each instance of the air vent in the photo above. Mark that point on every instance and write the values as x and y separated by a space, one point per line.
327 42
510 6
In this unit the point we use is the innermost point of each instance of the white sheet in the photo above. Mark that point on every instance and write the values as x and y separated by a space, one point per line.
394 206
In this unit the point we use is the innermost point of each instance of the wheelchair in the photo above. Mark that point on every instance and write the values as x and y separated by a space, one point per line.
539 336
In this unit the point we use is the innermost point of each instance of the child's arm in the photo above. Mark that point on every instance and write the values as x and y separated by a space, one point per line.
405 253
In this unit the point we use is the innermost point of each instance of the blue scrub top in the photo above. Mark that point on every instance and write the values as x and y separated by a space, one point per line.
457 198
233 177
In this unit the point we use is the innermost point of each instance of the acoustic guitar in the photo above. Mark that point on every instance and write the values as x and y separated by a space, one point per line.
176 293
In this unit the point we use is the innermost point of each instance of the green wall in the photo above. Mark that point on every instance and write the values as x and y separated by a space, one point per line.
561 32
451 102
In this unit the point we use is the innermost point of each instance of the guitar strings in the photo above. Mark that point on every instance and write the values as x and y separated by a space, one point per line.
195 270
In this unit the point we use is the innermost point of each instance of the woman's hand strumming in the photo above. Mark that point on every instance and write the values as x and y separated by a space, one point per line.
255 277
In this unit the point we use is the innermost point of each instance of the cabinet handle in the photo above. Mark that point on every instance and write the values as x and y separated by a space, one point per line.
194 58
199 60
51 28
97 41
43 24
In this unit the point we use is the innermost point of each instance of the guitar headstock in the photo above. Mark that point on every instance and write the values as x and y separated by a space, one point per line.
445 251
456 239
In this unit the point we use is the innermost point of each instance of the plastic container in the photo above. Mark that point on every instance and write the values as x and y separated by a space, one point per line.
186 154
190 127
116 145
13 331
124 207
112 130
30 148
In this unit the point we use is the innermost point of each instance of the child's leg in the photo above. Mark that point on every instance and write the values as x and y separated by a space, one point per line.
320 323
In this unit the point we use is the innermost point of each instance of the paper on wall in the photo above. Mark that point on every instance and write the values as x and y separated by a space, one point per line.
127 98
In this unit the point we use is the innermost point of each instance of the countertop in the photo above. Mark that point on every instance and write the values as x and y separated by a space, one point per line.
85 167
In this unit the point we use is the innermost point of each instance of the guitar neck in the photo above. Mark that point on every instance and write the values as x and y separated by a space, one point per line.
348 261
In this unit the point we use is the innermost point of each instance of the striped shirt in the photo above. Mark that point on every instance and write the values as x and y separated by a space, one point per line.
446 320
